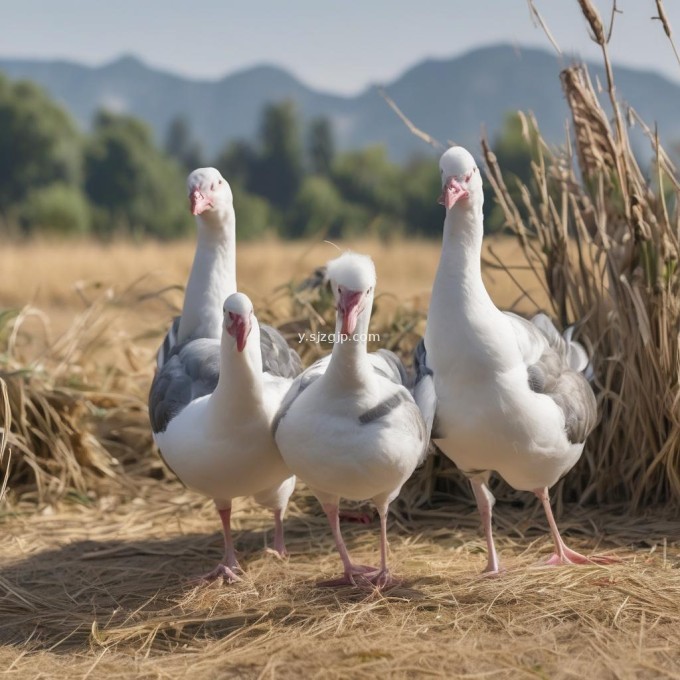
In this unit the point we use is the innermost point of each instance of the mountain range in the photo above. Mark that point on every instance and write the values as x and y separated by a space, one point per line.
448 98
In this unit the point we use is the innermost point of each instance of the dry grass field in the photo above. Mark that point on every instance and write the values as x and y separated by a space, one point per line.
94 578
101 590
61 277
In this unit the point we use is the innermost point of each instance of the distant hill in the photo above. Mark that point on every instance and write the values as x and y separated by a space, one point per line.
448 98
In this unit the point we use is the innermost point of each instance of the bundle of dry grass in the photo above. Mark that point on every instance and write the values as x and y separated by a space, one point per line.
606 241
70 415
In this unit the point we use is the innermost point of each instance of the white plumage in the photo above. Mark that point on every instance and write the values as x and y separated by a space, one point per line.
220 444
211 406
500 393
213 272
349 427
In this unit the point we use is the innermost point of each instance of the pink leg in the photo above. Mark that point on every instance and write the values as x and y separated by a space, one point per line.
485 502
279 545
226 568
351 570
383 578
563 554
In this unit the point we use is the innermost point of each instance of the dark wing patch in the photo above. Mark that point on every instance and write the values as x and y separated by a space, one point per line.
169 343
420 361
316 280
423 390
570 390
383 408
191 371
277 357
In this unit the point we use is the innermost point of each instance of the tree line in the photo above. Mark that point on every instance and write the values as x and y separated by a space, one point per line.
116 180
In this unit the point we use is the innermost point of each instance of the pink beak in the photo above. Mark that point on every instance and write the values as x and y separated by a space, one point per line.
239 329
452 191
348 306
199 202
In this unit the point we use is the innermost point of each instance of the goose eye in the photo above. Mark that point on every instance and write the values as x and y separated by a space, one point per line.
220 182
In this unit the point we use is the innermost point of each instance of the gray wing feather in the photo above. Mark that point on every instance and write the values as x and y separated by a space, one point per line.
396 371
191 371
169 343
557 374
412 416
277 357
398 374
423 390
317 279
300 384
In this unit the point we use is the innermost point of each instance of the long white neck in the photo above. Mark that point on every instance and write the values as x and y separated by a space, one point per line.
459 276
463 322
350 367
240 387
212 278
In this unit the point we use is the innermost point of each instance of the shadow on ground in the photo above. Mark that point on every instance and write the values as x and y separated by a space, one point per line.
111 591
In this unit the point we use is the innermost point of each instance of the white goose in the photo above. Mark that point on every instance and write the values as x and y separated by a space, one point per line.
349 426
211 407
213 272
499 393
213 278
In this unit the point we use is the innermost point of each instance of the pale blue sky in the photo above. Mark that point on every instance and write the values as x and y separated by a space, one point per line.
335 45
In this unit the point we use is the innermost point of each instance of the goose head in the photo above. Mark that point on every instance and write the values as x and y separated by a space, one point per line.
239 318
352 278
461 179
208 191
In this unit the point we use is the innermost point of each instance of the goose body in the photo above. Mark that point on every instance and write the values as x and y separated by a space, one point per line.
211 407
349 427
499 393
213 434
489 417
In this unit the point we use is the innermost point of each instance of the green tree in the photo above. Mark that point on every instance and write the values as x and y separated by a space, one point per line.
421 185
181 145
317 209
39 144
514 153
320 146
134 186
238 163
280 169
368 178
253 215
60 209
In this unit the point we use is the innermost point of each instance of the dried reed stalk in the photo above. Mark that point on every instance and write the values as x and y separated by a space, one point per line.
607 241
4 436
